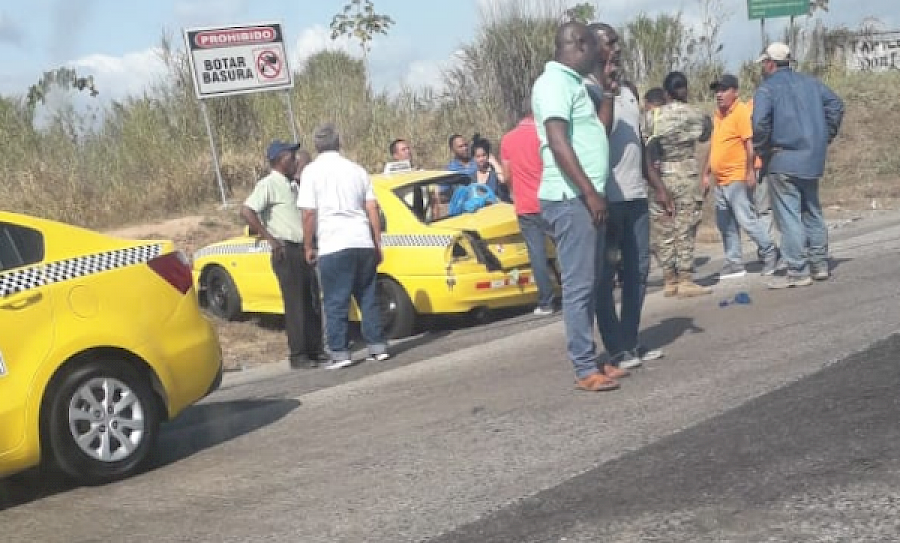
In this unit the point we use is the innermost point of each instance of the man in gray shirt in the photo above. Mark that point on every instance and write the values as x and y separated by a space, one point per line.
628 219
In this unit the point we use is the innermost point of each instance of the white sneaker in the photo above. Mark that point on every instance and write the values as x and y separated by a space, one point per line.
339 364
629 362
647 355
380 357
543 311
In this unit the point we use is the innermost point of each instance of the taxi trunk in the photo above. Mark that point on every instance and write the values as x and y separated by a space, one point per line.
491 237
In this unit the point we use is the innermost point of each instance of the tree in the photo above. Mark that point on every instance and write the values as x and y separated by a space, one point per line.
583 13
651 47
62 78
359 21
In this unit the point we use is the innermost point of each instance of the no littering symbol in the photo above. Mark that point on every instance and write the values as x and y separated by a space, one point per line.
268 63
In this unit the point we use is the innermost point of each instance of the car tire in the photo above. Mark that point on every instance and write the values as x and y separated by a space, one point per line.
398 315
222 297
96 435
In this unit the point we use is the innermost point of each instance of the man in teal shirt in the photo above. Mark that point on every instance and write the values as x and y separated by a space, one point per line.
575 153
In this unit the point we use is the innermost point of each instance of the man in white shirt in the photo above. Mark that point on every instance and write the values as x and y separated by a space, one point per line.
342 233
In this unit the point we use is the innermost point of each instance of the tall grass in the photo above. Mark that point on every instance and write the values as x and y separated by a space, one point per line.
148 156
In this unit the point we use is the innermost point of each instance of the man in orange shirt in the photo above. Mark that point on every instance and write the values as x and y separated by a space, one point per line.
731 164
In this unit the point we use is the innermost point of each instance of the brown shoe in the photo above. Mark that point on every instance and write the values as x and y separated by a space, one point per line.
687 288
615 372
670 287
596 382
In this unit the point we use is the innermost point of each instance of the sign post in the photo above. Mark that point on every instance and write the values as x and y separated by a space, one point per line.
769 9
233 60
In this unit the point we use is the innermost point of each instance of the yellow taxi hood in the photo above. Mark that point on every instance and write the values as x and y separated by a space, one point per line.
493 221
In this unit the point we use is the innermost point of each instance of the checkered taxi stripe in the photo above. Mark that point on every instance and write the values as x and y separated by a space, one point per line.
261 246
416 240
23 279
387 240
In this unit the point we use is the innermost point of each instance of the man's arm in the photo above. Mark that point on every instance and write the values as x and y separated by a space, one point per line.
762 121
375 226
372 212
604 103
750 176
258 199
567 161
310 218
834 111
705 176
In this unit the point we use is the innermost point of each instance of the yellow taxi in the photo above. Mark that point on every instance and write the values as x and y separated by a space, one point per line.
433 263
101 340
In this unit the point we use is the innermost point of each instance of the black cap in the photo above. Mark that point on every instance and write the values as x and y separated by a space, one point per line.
727 81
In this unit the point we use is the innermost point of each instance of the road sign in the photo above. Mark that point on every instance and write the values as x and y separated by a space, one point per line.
770 9
238 59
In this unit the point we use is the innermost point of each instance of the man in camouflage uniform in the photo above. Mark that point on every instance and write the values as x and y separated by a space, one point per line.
675 130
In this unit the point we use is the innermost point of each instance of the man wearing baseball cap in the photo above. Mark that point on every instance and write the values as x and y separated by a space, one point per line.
731 165
271 211
795 118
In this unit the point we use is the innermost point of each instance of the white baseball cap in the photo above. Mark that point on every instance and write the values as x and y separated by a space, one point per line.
777 51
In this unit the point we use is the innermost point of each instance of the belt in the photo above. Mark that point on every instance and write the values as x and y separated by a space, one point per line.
291 243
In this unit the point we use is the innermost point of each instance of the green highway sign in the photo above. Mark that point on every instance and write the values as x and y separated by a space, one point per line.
769 9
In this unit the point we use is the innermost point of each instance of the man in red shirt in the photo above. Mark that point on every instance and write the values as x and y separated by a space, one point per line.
520 157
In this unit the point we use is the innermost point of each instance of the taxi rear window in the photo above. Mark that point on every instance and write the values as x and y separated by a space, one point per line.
19 246
428 199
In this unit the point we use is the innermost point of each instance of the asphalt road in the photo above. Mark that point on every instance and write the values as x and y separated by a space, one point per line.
773 421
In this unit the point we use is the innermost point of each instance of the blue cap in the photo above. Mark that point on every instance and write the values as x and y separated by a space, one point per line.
277 147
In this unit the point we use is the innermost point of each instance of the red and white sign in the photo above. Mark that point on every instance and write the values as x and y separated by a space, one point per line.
238 59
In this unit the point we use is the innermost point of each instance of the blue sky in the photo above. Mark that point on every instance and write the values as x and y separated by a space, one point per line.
114 40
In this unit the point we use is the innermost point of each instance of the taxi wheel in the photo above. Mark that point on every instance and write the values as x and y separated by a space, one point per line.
398 315
102 422
222 298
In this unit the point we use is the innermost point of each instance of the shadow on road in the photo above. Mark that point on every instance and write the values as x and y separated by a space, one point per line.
668 331
200 427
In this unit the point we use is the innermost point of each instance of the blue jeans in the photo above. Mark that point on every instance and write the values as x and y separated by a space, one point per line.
627 234
579 249
798 213
762 201
734 211
535 231
351 272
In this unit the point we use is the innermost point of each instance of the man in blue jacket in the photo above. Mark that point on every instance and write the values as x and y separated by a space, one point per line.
795 118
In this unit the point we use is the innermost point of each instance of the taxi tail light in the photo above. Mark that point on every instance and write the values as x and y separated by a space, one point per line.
175 269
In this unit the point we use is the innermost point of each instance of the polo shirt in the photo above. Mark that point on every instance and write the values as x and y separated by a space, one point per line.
520 148
560 93
338 189
274 199
728 152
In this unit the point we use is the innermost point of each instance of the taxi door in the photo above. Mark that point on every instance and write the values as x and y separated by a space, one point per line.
26 325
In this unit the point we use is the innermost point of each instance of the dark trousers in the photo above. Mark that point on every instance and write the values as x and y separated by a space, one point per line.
300 292
628 234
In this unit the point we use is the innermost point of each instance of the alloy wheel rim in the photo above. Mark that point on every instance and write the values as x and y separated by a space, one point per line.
106 419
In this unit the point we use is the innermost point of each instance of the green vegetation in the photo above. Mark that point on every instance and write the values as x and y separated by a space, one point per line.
147 157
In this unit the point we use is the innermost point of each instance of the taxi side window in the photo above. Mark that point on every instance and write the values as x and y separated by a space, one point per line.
19 246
